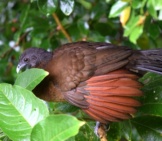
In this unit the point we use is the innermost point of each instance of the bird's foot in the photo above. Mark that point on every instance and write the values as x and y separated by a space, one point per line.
101 129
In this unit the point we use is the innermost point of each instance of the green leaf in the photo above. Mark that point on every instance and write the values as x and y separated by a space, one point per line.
117 8
136 32
115 132
132 23
56 128
129 131
151 80
160 15
47 6
20 110
133 29
67 6
149 127
86 4
86 132
151 8
63 107
83 27
136 4
152 99
154 31
30 78
157 4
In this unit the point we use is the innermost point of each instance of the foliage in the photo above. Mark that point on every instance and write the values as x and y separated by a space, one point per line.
50 23
30 115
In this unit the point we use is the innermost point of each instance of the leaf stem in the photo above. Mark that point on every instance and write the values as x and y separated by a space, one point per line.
61 27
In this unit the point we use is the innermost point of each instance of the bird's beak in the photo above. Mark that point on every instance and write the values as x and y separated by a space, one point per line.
19 67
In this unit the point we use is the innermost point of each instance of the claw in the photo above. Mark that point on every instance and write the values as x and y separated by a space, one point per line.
105 128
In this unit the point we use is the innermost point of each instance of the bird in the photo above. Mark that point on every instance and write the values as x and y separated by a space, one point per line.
100 78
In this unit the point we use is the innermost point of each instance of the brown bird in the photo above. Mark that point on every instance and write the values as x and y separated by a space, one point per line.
100 78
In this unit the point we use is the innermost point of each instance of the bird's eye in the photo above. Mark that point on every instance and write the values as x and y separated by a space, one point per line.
26 59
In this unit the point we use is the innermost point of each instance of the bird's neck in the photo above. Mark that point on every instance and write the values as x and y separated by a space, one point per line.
44 59
47 91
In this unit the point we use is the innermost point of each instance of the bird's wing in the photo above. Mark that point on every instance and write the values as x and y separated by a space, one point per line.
108 97
85 73
74 63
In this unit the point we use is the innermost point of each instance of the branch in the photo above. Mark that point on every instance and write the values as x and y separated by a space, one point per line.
61 27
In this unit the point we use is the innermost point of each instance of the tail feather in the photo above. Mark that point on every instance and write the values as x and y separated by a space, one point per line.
146 61
108 99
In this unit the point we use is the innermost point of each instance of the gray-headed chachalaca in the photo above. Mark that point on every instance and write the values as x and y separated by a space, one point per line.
100 78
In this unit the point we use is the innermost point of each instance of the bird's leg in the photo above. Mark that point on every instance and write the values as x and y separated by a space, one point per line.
96 128
100 130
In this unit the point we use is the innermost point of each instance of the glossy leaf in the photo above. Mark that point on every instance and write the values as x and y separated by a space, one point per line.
129 131
152 100
117 8
149 127
160 15
47 6
20 110
56 128
30 78
136 32
67 6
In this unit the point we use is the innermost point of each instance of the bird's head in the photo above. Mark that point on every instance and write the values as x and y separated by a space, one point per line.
31 58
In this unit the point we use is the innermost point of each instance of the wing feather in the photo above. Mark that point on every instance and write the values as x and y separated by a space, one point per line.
110 97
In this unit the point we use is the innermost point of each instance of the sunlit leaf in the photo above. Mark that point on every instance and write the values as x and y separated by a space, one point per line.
56 128
30 78
20 110
136 32
117 8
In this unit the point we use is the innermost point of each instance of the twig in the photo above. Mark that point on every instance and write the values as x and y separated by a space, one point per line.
61 27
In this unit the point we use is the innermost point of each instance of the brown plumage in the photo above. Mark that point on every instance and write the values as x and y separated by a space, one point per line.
100 78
